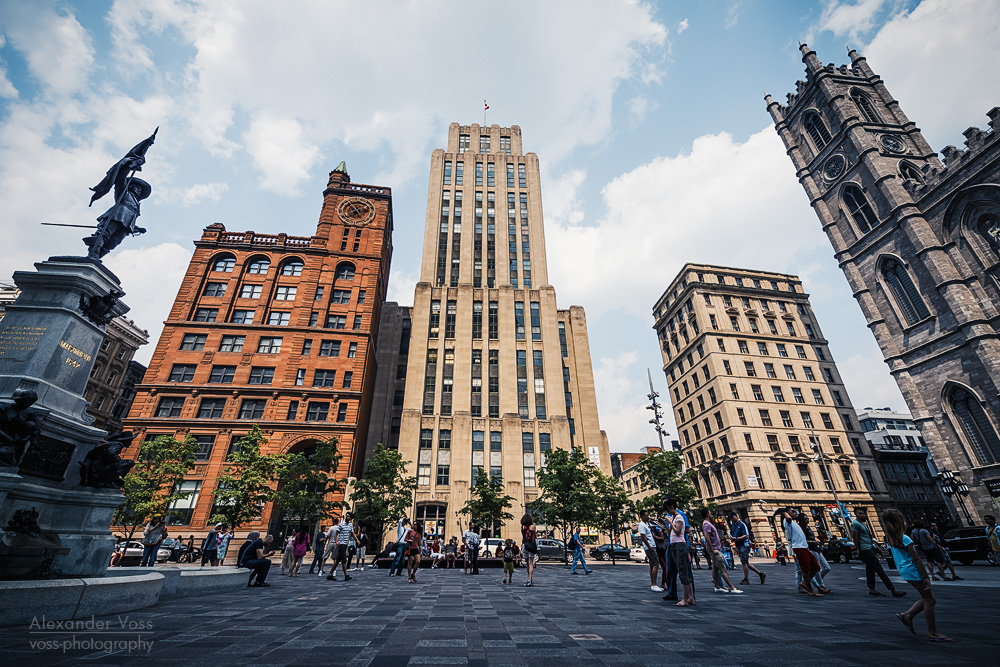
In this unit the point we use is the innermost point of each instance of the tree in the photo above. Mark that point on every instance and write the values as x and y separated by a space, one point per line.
245 483
305 482
384 493
664 472
567 498
154 482
488 504
614 509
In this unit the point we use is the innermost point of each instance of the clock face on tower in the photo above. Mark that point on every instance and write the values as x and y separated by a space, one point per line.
356 211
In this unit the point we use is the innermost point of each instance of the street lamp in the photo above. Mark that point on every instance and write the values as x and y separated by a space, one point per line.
952 485
814 443
657 420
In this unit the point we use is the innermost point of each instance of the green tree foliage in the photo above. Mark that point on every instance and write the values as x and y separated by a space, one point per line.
245 483
663 471
384 493
153 483
614 509
488 504
567 483
306 481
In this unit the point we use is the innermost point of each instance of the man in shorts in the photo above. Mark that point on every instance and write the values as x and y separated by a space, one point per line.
649 545
741 538
713 549
342 533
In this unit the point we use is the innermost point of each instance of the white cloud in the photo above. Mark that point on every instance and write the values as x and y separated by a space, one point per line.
58 50
622 391
7 89
282 151
851 19
682 26
195 194
638 108
151 277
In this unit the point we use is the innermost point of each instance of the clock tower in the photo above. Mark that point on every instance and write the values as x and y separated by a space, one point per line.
916 238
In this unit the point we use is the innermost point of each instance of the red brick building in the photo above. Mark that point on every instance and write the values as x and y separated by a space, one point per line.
273 330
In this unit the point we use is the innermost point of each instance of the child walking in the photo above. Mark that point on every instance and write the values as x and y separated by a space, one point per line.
911 569
509 550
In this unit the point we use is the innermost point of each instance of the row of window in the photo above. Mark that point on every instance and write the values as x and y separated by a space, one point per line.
266 345
722 279
763 349
282 293
459 173
250 408
482 461
465 143
711 484
263 375
279 318
765 421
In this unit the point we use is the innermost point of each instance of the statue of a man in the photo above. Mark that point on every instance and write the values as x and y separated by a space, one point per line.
103 466
119 221
18 427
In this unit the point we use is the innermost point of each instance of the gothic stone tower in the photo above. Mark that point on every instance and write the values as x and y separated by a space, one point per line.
919 242
490 349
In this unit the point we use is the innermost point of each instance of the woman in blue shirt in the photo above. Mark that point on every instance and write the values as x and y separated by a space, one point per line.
911 569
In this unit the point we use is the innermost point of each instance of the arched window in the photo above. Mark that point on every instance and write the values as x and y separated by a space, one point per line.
865 106
224 263
910 173
259 265
975 425
817 130
904 292
292 267
345 271
859 208
989 226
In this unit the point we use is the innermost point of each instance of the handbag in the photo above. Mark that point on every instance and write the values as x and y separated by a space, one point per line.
531 547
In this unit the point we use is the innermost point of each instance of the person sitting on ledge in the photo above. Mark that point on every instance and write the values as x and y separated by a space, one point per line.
251 556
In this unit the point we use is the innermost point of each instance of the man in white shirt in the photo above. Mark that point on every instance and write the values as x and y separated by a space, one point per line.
649 545
342 534
471 539
400 558
800 547
330 552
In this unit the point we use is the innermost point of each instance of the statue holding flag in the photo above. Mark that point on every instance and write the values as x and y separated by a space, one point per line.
119 221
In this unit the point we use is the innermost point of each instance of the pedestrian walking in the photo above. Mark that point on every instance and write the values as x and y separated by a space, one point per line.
152 536
993 537
210 546
911 569
319 545
189 554
300 547
224 539
804 558
713 551
814 547
414 541
400 558
343 532
668 571
362 547
929 548
677 544
251 556
288 555
529 548
942 543
866 553
577 543
176 550
649 545
509 550
740 534
471 538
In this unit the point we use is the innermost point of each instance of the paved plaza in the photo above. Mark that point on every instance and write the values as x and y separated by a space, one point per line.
607 618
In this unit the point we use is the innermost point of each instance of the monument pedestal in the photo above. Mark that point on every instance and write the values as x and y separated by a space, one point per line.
48 345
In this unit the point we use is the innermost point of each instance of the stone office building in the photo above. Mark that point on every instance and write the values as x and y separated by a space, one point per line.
497 374
918 239
753 384
273 330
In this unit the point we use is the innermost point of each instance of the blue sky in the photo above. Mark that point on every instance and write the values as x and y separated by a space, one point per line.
648 120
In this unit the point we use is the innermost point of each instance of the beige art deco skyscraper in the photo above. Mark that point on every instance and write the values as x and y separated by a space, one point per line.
496 374
754 385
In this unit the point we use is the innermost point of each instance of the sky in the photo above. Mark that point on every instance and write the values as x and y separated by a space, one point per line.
647 117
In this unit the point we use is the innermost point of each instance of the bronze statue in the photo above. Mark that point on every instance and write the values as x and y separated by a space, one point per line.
18 427
119 221
99 309
103 466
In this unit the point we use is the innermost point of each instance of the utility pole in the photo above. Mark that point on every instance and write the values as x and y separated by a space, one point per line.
655 406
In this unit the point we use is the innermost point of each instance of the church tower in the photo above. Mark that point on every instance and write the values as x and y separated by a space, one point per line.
918 240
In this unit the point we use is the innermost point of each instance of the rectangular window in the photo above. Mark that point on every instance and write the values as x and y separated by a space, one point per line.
477 320
252 408
222 374
769 370
449 319
801 352
479 173
778 396
336 321
341 296
797 395
809 373
845 470
786 418
765 417
170 406
329 348
277 319
748 439
806 478
536 321
206 314
491 180
827 422
519 320
352 351
242 317
285 293
181 373
459 172
434 325
269 345
837 398
743 347
193 341
817 396
751 372
727 367
357 322
762 349
758 395
786 483
182 510
807 420
494 320
211 408
261 375
250 291
232 343
215 289
742 416
293 411
342 412
319 294
324 378
447 172
317 411
348 379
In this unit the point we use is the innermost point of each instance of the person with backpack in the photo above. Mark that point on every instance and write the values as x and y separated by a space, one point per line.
509 550
471 539
928 546
210 547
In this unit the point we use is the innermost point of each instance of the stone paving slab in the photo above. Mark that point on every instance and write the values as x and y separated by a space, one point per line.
608 618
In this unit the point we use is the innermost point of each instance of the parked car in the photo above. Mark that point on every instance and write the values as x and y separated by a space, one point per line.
603 552
840 551
132 554
488 546
968 544
638 554
551 549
